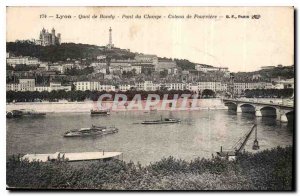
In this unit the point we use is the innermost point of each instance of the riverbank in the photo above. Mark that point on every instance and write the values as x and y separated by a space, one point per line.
86 106
265 170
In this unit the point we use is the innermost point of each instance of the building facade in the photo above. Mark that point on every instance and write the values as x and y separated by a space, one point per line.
87 85
26 84
23 85
124 87
165 65
147 58
22 60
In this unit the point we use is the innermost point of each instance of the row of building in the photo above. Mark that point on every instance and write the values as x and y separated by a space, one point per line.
239 88
140 61
216 86
21 60
29 85
101 65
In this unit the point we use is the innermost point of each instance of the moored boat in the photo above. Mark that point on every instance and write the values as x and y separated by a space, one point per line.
161 121
23 112
100 112
92 131
14 114
32 113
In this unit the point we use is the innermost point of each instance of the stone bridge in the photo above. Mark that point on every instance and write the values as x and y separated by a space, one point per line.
259 108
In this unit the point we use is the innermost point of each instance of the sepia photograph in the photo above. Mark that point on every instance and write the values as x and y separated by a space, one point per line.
150 98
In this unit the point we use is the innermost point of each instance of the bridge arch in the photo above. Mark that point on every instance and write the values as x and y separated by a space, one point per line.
283 113
231 105
247 108
269 111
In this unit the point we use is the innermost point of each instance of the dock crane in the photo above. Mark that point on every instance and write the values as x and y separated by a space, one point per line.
255 142
239 145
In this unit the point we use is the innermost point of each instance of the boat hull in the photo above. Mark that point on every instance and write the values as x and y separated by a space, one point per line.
21 113
100 113
97 133
159 122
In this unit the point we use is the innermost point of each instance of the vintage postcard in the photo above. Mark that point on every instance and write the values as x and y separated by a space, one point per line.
150 98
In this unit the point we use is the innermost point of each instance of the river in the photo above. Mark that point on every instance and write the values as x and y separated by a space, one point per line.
200 134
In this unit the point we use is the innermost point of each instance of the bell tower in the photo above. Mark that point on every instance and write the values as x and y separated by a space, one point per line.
53 36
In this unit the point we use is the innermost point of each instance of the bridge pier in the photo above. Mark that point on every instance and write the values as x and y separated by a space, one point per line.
278 114
239 108
281 116
258 113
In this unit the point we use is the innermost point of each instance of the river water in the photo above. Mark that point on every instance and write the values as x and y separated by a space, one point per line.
200 134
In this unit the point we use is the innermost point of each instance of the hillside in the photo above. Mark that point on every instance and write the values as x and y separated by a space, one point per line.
75 51
285 72
64 51
85 51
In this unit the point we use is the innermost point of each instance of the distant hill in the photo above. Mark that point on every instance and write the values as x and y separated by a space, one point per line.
64 51
85 51
75 51
185 64
285 72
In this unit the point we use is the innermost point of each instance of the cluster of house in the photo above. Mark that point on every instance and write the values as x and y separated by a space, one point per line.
137 64
45 66
114 66
198 87
140 62
205 68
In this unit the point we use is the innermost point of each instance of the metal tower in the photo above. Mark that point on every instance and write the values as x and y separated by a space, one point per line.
110 37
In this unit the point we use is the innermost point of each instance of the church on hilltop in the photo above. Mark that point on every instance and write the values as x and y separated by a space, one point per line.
47 39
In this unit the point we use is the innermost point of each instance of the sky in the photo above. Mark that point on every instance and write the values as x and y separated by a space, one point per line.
241 44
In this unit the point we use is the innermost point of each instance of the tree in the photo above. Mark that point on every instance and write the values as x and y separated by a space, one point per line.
208 93
76 72
163 73
185 64
269 93
65 51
